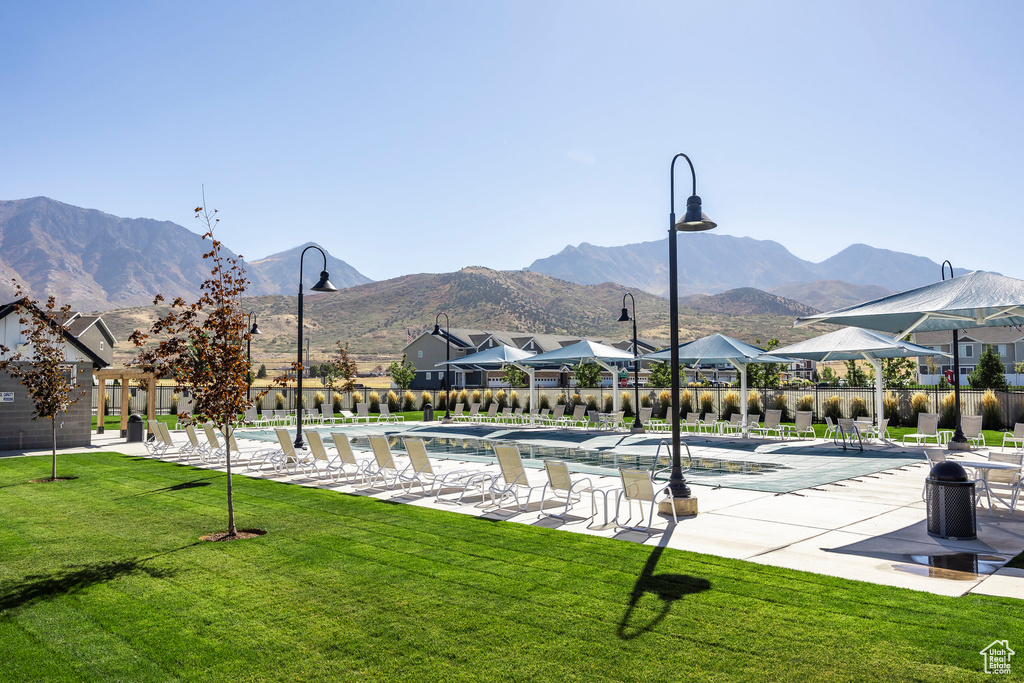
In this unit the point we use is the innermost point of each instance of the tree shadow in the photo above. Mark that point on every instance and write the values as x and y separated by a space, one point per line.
183 486
668 587
74 579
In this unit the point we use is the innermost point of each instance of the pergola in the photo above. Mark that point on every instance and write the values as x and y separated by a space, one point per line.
124 375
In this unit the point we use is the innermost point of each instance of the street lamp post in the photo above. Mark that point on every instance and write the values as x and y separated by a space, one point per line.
693 221
958 442
638 426
322 285
447 357
253 329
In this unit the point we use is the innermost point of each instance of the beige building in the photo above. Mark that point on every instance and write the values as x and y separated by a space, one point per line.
1008 342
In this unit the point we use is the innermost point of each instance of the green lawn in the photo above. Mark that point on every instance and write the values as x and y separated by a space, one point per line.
102 578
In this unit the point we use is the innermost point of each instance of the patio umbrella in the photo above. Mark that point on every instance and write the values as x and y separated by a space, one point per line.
495 358
581 351
717 348
856 343
977 299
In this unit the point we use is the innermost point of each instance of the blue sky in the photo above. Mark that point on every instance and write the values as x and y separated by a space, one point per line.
428 136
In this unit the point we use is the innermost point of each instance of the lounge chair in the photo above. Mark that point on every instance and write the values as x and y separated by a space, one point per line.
733 426
387 416
346 458
645 416
691 422
772 425
578 418
383 466
1016 438
513 480
557 414
319 462
927 428
637 485
562 487
155 444
830 428
327 414
195 446
458 410
474 409
363 413
491 415
971 427
282 458
802 426
218 452
1005 482
709 424
421 471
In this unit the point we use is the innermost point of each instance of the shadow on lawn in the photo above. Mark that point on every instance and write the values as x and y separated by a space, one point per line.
185 485
74 579
668 588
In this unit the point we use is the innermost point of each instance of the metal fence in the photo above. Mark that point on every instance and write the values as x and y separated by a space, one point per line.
1011 403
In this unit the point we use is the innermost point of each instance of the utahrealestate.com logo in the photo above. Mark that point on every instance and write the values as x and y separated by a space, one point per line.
997 657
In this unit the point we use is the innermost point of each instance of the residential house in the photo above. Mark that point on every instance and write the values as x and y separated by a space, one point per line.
1007 341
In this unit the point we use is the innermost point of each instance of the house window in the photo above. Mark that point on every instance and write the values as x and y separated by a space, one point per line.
428 375
1001 350
967 350
101 344
419 354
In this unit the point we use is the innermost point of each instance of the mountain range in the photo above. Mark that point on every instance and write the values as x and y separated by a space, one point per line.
96 261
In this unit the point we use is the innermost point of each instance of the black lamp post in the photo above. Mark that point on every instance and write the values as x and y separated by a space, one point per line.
958 442
322 285
447 357
253 329
694 221
638 426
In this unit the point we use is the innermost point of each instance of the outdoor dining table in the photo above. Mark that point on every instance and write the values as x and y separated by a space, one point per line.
982 468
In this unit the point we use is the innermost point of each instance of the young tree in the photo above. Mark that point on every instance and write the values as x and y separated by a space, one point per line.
513 376
262 373
402 374
898 373
855 375
204 349
342 370
767 375
46 373
587 375
661 375
828 375
989 373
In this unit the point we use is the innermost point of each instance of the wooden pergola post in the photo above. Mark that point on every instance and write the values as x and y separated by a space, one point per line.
101 397
124 376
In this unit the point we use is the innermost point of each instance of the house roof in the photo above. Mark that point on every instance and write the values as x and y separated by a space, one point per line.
7 309
80 324
985 335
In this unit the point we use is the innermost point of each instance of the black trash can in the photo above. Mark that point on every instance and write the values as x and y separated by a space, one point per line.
428 412
950 500
136 429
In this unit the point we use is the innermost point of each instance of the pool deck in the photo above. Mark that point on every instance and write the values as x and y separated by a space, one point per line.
847 514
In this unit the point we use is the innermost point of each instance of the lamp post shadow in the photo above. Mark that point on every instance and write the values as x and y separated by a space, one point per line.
667 587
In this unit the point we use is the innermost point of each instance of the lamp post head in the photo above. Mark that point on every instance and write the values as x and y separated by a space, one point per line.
255 329
437 329
323 284
624 318
695 220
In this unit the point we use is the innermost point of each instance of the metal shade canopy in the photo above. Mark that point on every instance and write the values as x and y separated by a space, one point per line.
494 357
855 343
323 284
581 351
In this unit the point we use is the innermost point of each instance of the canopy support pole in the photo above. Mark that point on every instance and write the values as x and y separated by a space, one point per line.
615 389
741 370
876 363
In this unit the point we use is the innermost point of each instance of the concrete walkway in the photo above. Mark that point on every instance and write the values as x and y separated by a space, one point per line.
869 526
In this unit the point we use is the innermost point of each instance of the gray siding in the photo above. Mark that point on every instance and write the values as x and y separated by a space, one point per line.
19 431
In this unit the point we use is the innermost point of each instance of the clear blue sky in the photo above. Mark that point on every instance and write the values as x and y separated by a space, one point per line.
428 136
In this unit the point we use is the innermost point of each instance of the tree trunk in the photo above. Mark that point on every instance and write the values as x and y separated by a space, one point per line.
227 459
53 466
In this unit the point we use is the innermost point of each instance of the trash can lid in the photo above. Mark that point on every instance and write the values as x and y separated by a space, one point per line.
947 470
135 417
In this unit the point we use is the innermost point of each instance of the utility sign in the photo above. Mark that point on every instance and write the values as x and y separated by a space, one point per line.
6 397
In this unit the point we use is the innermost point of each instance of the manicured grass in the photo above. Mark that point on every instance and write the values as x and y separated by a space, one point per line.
103 578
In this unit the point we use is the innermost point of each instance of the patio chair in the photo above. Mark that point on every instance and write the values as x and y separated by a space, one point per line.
505 417
617 419
195 447
578 418
1004 485
383 466
155 445
512 480
458 410
363 412
645 416
802 424
708 424
421 471
491 415
387 416
846 431
517 416
772 425
557 413
1016 438
261 419
280 458
319 462
562 487
250 417
327 414
347 458
927 428
971 427
218 452
733 426
165 436
933 456
869 430
346 416
474 408
691 422
637 485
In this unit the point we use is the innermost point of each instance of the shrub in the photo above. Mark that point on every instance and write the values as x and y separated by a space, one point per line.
463 397
779 403
730 404
832 407
425 398
991 411
502 398
442 396
858 407
336 402
561 400
891 408
645 401
805 403
303 401
513 399
319 399
393 404
488 399
664 403
626 403
685 403
476 396
545 402
174 405
408 401
947 411
707 402
357 398
591 402
918 405
279 401
609 403
754 402
374 406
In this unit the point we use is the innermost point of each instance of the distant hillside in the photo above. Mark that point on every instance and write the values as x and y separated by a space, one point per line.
747 301
711 263
96 261
282 269
828 295
374 318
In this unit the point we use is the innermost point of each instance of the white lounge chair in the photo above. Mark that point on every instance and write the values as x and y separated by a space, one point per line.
830 428
772 425
802 426
927 428
346 458
513 479
421 471
971 427
387 416
709 424
155 445
474 409
383 466
1004 485
1016 438
637 485
562 487
557 414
